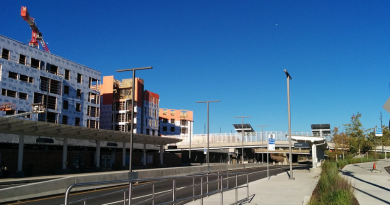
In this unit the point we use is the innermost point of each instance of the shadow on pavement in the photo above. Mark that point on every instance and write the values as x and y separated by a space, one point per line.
348 173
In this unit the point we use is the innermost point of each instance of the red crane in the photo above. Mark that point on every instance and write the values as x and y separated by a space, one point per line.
36 34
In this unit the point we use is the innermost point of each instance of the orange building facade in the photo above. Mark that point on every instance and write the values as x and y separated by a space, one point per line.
116 97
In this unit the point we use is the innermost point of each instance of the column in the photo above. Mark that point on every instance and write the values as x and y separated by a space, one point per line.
124 154
144 154
65 153
161 154
20 153
97 153
314 155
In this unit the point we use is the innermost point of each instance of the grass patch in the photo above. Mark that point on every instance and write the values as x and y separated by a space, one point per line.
332 188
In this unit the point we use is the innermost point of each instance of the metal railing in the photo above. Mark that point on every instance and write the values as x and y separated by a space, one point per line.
221 176
218 138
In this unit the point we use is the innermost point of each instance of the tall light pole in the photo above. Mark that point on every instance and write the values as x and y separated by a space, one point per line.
262 146
289 121
242 130
132 112
208 145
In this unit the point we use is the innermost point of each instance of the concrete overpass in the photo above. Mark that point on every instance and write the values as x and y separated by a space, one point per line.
255 143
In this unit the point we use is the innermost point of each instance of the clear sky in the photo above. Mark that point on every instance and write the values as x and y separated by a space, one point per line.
337 53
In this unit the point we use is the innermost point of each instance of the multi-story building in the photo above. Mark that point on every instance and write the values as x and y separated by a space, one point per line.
116 106
176 122
68 90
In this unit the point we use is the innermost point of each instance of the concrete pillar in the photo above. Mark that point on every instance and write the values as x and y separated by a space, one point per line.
65 153
124 154
314 155
20 153
97 153
161 154
144 154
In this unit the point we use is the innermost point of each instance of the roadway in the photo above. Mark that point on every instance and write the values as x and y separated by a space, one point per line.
142 191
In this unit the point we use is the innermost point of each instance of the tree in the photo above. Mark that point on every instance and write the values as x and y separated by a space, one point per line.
341 142
354 130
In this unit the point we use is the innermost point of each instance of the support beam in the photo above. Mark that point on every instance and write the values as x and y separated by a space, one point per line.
144 154
65 153
20 153
97 153
124 154
162 154
314 155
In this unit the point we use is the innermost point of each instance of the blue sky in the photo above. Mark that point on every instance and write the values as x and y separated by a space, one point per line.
235 51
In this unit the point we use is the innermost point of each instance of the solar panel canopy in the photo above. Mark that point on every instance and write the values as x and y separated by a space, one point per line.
243 127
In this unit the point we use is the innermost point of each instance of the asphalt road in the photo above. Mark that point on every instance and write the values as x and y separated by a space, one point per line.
163 190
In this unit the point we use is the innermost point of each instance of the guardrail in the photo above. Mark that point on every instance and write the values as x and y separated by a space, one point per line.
153 181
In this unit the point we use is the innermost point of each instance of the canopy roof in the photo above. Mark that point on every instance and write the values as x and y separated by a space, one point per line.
243 127
47 129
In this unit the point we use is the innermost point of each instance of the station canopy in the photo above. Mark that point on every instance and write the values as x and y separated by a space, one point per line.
47 129
243 127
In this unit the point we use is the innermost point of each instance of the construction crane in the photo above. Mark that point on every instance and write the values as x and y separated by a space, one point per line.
36 34
36 108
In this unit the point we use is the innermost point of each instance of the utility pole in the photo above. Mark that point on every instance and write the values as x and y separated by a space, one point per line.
262 146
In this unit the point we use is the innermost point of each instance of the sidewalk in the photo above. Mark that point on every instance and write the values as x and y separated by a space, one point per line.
371 187
277 190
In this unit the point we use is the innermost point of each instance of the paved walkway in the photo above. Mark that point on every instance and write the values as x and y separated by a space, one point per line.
277 190
371 186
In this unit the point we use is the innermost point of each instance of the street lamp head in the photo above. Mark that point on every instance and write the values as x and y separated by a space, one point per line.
287 74
131 69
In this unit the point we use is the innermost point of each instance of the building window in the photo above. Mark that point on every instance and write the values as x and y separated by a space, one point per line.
66 90
35 63
10 112
165 120
52 69
172 120
9 93
165 128
64 119
27 79
77 121
65 105
67 74
12 75
79 93
22 59
5 54
172 129
25 116
78 107
23 96
79 78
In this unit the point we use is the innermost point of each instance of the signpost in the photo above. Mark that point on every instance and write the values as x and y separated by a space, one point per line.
271 146
378 132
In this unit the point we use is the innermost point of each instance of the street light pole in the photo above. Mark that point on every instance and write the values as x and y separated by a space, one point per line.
289 121
208 144
242 140
262 146
132 112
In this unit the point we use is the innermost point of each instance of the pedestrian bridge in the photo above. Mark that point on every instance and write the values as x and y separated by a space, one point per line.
236 140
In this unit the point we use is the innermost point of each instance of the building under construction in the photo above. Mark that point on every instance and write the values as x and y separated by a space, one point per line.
68 90
116 106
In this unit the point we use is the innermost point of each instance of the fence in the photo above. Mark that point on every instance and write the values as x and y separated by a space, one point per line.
173 191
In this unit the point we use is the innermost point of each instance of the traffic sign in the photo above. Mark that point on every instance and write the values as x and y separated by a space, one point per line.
378 132
271 142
